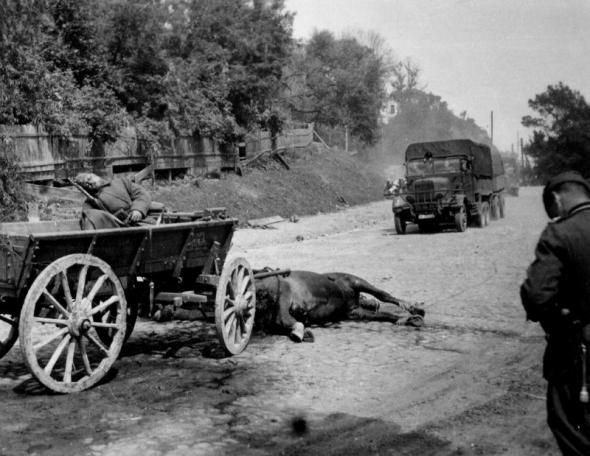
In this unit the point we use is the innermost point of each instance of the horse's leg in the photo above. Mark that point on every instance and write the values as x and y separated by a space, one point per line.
284 318
362 286
371 309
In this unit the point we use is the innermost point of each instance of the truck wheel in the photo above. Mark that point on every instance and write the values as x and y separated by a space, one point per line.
400 224
483 216
461 220
495 209
486 213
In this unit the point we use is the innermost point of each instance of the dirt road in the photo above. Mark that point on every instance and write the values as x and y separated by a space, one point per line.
469 382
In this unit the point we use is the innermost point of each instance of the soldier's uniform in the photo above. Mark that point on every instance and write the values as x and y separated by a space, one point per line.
556 293
119 197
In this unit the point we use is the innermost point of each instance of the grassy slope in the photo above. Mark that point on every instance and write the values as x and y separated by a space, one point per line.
313 184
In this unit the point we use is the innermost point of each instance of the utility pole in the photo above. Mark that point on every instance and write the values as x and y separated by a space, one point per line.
346 138
492 128
517 152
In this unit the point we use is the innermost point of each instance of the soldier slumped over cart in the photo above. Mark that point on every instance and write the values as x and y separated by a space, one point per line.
111 204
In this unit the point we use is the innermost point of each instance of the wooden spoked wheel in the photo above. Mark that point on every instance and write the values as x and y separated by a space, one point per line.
8 332
235 305
58 323
106 334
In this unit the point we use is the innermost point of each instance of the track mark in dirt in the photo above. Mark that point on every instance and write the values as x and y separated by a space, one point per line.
513 415
452 350
460 329
347 435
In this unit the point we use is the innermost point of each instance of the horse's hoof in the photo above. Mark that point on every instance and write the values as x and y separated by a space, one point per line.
295 337
417 311
415 320
308 336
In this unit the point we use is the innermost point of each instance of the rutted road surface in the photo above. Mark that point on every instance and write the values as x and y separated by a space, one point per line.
469 382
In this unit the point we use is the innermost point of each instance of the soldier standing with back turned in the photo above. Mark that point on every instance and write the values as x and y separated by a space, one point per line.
556 293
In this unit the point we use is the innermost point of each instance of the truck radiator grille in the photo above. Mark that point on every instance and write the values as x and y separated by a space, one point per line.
424 196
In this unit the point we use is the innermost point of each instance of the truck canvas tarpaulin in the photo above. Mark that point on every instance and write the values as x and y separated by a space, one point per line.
485 162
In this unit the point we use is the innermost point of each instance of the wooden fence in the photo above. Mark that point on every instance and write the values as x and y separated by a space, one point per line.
298 136
44 157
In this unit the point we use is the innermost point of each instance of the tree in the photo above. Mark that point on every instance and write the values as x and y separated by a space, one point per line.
561 132
241 47
405 79
73 40
339 83
49 73
423 116
136 58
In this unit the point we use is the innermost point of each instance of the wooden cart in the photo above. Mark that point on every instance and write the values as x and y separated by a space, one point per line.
73 295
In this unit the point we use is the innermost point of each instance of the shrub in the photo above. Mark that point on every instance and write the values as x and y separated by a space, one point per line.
13 198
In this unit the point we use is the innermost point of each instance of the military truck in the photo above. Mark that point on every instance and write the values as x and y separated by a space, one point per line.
450 184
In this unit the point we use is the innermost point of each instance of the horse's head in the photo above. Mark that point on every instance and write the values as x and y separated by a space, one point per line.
267 296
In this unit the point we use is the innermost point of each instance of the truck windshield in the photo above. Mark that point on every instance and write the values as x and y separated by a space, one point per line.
447 165
419 167
436 166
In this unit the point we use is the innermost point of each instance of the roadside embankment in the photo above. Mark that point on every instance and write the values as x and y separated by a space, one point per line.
319 180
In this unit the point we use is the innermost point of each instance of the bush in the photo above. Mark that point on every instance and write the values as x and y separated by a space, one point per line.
13 198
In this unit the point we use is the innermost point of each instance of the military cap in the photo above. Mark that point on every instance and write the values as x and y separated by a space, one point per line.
562 178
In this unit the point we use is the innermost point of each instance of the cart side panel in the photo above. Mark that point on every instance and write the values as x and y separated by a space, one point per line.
189 244
142 250
118 247
13 250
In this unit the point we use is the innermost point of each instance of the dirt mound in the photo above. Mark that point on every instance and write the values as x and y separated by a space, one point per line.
318 180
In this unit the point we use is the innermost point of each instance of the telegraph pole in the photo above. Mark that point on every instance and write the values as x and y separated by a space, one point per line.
518 143
492 128
346 138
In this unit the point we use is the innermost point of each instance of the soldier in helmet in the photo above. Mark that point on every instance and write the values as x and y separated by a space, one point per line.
111 204
556 293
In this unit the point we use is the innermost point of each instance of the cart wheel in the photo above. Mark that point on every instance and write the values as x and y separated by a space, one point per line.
8 332
106 334
235 304
58 316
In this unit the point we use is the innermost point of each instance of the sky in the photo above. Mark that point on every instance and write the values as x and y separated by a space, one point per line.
478 55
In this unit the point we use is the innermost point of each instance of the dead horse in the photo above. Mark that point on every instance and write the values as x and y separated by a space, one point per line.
289 301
